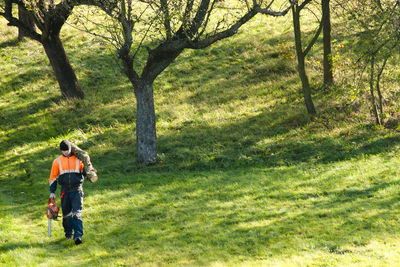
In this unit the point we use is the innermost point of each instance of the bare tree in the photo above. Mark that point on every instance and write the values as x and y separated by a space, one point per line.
48 18
170 26
302 53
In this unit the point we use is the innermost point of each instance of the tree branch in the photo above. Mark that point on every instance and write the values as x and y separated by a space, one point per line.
199 44
314 39
199 18
267 11
167 19
306 2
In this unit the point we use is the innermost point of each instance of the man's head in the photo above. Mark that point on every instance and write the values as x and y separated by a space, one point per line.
65 147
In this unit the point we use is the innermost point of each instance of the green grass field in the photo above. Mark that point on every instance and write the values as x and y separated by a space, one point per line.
244 178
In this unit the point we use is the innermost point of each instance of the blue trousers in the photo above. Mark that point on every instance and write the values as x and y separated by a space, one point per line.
71 205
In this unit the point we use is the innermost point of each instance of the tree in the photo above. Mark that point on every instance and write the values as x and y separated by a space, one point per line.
375 25
171 26
302 53
48 18
327 60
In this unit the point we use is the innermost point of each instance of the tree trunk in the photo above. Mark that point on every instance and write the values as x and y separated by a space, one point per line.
327 61
65 75
26 19
378 86
371 89
305 85
146 138
380 98
301 63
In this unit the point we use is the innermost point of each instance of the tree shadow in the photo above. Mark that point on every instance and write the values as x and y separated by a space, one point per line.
201 224
21 79
10 43
268 141
231 74
197 194
221 212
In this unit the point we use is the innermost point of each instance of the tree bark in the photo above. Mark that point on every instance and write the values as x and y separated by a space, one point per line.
301 63
305 85
146 138
65 75
327 61
378 86
26 19
371 90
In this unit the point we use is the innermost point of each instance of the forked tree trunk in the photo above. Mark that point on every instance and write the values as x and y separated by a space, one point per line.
146 138
65 75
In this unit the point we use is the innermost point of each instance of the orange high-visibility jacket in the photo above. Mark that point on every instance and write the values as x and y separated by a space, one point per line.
63 168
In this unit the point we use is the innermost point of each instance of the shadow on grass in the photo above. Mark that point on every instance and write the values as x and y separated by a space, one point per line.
265 141
24 126
205 216
9 43
21 245
230 191
228 74
221 216
21 79
21 125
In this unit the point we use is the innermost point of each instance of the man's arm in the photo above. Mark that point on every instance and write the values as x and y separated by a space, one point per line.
55 171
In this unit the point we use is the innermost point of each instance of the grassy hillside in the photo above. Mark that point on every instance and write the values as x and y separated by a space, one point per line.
244 176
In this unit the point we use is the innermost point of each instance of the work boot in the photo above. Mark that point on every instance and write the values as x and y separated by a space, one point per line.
68 237
78 241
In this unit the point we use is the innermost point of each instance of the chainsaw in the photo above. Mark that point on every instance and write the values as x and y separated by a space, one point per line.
52 212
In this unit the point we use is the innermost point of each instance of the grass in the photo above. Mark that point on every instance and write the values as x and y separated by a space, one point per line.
244 178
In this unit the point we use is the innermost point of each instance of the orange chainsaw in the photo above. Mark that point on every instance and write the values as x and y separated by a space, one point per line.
52 212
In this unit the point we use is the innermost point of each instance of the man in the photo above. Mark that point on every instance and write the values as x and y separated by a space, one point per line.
69 171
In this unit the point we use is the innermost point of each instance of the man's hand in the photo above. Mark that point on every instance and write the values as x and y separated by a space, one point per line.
52 195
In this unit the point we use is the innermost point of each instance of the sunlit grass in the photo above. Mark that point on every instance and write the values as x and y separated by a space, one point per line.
244 176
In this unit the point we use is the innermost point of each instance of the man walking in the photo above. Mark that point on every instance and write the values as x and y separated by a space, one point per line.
68 170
